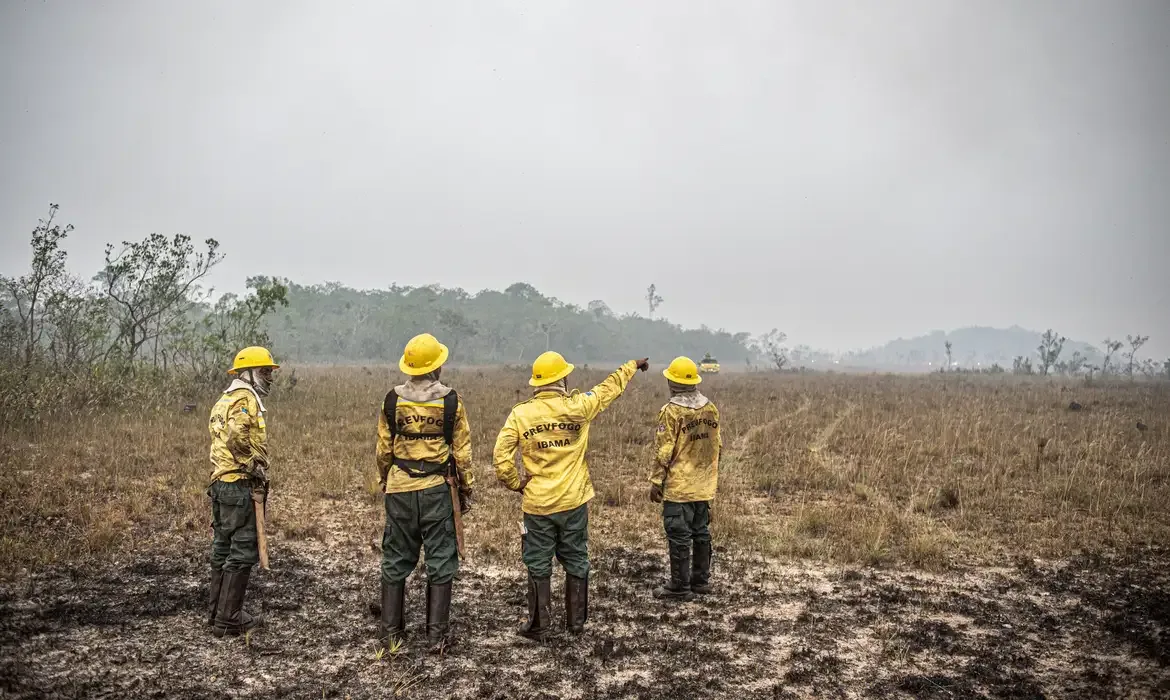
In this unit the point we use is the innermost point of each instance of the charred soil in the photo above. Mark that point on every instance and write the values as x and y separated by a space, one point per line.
1092 626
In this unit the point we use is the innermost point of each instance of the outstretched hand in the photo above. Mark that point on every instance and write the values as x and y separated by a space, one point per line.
643 364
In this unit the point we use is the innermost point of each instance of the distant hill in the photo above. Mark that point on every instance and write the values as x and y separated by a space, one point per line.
970 347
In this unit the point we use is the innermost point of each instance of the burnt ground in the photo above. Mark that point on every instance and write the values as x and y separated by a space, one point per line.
1091 627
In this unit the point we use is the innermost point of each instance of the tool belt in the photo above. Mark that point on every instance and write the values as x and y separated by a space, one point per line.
417 468
251 476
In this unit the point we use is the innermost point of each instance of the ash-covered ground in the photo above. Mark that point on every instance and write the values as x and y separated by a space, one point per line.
1092 627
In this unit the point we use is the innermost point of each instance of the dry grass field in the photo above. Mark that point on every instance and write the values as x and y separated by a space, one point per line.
876 536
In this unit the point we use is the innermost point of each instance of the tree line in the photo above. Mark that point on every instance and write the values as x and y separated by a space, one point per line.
1052 345
334 323
68 341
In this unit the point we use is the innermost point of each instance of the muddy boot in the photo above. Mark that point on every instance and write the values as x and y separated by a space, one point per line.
701 569
213 594
230 618
438 614
576 603
679 587
539 609
392 623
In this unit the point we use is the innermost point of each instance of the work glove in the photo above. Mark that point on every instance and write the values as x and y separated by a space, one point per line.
523 482
643 364
465 500
259 483
656 493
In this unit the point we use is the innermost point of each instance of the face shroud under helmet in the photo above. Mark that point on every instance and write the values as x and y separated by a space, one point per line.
260 378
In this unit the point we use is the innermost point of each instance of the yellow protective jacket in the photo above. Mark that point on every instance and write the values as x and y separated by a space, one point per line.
419 438
239 435
551 430
687 447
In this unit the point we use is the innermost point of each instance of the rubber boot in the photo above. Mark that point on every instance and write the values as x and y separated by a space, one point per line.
438 614
679 587
701 568
392 622
213 594
539 609
230 618
576 603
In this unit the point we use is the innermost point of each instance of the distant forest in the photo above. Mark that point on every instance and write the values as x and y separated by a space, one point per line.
334 323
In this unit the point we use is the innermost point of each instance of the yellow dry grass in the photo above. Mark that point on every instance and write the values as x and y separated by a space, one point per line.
927 471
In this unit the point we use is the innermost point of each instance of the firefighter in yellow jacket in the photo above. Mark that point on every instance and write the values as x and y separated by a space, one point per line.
551 431
423 437
684 478
239 466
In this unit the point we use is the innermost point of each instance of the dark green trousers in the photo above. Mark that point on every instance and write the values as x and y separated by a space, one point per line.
233 520
687 522
565 534
420 520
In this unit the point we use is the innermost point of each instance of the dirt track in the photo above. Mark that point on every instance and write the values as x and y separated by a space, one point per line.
1090 627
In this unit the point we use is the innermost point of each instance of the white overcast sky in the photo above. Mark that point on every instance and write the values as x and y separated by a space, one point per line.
846 171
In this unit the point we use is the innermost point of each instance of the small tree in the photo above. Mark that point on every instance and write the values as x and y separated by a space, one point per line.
547 328
1111 346
30 292
1166 368
1049 350
1074 364
599 309
1135 343
771 345
149 284
948 347
1022 365
231 324
78 323
653 301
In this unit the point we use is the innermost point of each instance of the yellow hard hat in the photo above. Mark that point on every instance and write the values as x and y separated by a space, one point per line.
251 358
424 354
682 370
548 368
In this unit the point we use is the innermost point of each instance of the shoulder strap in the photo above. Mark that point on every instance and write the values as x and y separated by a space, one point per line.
389 409
450 407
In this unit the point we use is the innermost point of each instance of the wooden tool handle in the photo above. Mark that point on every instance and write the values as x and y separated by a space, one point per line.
457 506
261 535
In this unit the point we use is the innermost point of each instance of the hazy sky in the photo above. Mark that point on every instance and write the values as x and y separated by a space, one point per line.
846 171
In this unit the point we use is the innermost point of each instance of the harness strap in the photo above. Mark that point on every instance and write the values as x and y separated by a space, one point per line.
416 467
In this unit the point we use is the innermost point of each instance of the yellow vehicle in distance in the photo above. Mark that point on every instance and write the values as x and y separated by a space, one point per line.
709 365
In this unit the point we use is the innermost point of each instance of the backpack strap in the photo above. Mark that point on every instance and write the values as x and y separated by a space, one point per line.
389 408
417 468
450 407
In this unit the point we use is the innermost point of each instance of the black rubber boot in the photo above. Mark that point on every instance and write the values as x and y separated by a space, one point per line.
438 614
392 623
539 609
213 594
576 603
701 568
679 587
230 618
